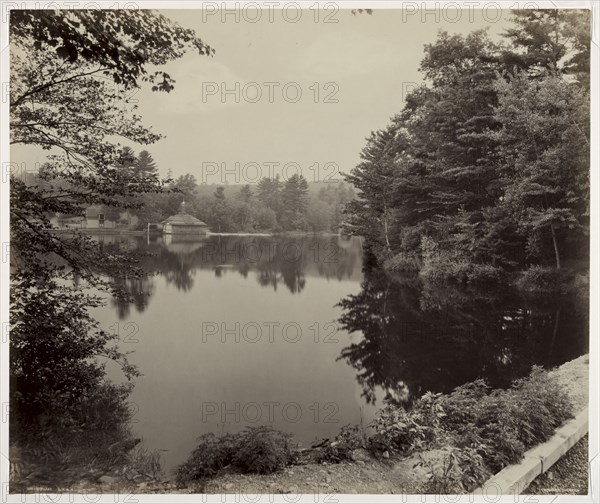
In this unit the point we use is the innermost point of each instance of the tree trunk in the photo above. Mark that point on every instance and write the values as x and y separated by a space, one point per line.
556 254
554 333
385 228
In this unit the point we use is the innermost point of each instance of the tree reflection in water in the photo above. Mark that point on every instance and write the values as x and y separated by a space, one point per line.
412 337
418 338
274 260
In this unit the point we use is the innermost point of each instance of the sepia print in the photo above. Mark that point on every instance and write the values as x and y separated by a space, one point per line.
301 251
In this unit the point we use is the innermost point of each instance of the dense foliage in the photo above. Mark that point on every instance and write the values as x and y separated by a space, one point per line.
500 424
486 169
260 450
503 424
467 435
272 205
71 75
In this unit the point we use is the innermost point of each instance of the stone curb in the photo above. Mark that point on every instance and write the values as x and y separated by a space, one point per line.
514 479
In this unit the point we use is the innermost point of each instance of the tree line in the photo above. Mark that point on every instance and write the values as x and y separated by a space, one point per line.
272 205
485 171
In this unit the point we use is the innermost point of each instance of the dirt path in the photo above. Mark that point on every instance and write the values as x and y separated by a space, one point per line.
573 376
568 476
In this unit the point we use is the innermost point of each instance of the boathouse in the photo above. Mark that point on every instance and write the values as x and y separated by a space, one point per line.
184 223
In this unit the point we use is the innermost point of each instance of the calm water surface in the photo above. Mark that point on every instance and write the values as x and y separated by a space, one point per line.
297 333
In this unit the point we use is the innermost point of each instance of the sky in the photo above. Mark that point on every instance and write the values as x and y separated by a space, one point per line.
308 92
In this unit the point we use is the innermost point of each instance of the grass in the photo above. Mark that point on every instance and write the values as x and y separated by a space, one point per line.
67 458
60 454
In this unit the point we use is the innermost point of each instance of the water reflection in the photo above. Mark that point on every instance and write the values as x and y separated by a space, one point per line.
420 338
273 260
394 338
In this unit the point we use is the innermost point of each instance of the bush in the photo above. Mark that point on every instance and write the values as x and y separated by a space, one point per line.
350 438
501 425
452 265
261 450
409 430
480 430
402 262
55 375
540 405
208 458
459 470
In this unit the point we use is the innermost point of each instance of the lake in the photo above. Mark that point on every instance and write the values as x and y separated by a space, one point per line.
300 334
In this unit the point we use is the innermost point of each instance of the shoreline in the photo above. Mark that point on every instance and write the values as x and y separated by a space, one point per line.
134 232
365 474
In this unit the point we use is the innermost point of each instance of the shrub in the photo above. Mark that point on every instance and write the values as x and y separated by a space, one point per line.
461 404
502 424
483 273
540 405
452 265
263 450
208 458
408 430
480 430
55 375
459 470
350 438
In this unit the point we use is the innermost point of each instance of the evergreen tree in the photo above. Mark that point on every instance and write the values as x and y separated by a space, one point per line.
220 218
268 192
557 40
294 196
544 144
245 194
484 168
126 160
145 165
371 215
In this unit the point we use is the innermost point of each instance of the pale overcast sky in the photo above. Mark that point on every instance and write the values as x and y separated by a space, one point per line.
368 61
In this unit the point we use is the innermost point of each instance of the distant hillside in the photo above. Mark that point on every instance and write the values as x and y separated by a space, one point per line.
231 190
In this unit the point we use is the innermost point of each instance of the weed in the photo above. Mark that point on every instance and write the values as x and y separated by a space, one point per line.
350 438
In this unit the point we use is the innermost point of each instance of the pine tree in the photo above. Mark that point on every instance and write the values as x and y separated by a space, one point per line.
556 40
294 195
268 192
145 165
371 215
545 147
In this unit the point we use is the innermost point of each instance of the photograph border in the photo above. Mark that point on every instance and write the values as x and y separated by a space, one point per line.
594 330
